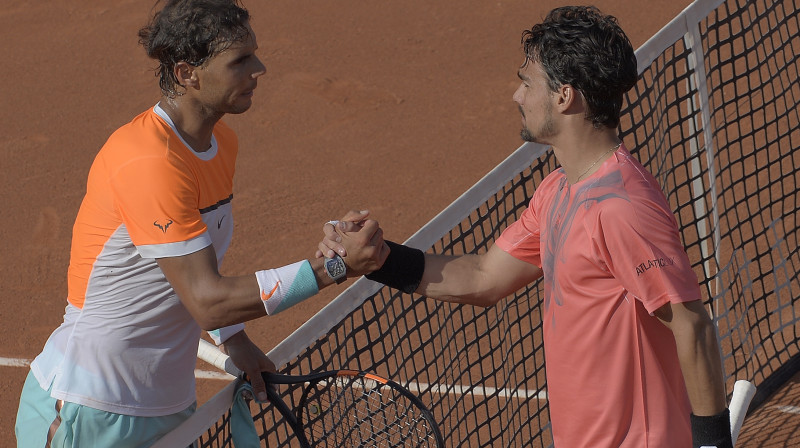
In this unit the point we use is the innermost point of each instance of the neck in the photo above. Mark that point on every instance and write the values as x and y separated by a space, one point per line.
195 128
581 156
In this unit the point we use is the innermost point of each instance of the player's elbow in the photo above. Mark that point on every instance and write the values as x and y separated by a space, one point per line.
690 321
207 310
702 327
483 299
210 323
486 300
208 320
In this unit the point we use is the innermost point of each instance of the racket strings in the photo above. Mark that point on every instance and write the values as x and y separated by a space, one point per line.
360 412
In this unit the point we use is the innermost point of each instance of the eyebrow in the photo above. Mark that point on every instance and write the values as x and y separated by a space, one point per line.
522 77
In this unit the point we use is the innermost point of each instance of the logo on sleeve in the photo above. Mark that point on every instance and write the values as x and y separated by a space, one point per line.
656 263
163 227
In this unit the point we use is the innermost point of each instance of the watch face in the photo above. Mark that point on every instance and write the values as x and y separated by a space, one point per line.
335 267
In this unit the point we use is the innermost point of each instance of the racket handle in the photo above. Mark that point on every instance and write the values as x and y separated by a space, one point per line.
743 392
209 353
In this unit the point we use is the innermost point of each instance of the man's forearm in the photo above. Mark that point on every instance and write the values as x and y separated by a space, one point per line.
701 366
456 279
702 373
480 280
443 277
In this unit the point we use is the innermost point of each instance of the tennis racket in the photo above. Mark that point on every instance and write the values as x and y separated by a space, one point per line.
346 408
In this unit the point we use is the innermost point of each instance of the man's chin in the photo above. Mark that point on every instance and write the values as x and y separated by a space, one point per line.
238 110
526 136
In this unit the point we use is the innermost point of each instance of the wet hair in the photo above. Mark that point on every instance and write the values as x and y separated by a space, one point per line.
192 31
580 46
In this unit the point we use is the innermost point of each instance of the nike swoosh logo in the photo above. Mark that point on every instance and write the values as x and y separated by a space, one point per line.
219 223
265 296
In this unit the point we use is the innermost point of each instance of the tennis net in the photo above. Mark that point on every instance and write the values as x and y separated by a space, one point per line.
714 117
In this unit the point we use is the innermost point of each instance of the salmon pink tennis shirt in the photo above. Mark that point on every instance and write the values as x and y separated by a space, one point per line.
127 344
611 255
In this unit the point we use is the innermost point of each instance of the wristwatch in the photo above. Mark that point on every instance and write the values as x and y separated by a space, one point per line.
336 268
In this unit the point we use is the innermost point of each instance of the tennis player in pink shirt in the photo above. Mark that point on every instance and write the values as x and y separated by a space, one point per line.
631 353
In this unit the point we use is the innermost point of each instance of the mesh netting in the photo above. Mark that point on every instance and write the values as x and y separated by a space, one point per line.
714 117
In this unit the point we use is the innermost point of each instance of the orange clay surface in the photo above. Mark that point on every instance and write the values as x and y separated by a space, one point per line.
395 107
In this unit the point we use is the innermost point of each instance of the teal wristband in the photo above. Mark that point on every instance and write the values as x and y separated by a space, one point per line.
284 287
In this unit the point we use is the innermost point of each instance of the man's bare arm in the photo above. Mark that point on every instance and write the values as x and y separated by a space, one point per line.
480 280
216 301
699 355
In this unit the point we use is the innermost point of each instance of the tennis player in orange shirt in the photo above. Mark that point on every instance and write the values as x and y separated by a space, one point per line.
148 240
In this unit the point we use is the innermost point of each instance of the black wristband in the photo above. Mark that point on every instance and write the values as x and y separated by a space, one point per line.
403 268
714 430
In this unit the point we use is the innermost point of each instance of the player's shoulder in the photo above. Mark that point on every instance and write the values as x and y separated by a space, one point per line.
145 132
554 181
634 174
635 194
640 184
225 134
141 145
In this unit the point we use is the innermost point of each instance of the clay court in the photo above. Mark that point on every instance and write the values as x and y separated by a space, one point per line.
395 107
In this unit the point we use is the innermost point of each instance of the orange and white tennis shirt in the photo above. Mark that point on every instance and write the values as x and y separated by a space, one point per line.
611 255
127 344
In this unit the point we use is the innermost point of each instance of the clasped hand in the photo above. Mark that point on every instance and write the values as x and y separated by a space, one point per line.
358 240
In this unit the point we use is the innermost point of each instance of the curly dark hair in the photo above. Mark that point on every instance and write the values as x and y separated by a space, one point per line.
580 46
192 31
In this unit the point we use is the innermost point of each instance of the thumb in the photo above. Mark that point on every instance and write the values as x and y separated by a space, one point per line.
259 388
355 216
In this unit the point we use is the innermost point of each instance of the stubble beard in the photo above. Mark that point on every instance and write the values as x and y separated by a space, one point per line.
546 129
526 135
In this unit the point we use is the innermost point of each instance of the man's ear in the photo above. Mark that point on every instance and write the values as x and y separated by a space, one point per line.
568 97
185 74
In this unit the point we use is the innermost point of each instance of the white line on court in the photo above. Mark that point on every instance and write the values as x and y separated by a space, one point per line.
15 362
478 390
204 374
414 387
787 409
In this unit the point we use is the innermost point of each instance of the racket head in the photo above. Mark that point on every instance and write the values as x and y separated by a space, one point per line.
359 409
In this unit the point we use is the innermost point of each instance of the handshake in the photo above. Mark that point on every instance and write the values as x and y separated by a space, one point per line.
354 246
356 240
